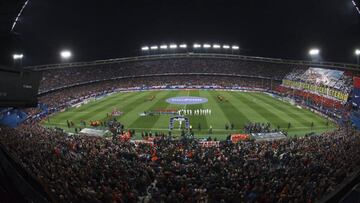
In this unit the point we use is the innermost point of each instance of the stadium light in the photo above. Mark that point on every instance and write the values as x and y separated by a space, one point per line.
206 46
314 52
154 47
357 52
183 46
18 56
173 46
163 47
65 54
146 48
234 47
196 46
226 47
216 46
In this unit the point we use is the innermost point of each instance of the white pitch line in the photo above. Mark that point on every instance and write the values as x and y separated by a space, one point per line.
187 95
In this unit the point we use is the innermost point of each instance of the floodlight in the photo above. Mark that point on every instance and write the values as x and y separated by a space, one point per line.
183 46
163 47
196 46
154 47
314 52
146 48
173 46
226 47
357 52
234 47
17 56
216 46
66 54
206 46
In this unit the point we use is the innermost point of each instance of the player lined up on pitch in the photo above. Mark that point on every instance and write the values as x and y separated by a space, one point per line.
196 112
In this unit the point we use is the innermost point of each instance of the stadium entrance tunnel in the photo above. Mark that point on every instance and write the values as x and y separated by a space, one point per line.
187 100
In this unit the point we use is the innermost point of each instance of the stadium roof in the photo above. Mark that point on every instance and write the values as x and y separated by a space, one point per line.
199 55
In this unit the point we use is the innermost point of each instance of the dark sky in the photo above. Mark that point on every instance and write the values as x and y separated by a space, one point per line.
116 28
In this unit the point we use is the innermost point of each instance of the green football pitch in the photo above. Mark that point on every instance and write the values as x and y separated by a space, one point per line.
238 108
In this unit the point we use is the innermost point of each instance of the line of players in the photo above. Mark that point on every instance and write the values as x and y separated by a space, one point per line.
196 112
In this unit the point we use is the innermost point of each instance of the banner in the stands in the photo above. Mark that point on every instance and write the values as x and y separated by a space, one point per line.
209 144
318 89
239 137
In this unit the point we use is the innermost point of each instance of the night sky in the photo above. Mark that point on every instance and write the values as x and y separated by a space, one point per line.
116 28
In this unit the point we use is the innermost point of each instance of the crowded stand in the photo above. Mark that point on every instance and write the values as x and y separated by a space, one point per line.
325 90
328 82
67 76
77 168
316 101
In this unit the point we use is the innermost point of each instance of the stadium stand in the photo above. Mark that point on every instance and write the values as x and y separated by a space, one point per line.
82 168
67 76
327 105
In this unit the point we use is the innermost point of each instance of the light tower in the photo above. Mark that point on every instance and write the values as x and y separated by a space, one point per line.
65 54
314 52
17 59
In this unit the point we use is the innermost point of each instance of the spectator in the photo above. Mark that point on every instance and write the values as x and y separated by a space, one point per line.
81 168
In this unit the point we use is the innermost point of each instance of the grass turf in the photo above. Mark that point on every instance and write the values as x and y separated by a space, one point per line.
239 108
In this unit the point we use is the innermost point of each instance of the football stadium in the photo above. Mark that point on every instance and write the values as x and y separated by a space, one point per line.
211 109
185 120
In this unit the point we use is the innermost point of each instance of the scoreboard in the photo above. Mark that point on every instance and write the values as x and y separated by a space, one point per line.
19 88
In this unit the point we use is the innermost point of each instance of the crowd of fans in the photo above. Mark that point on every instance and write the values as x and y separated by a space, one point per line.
61 77
338 80
295 74
345 83
78 168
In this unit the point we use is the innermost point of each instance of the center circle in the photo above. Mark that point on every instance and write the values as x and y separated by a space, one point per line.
187 100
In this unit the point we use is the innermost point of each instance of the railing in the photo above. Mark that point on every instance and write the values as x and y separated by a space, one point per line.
199 55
